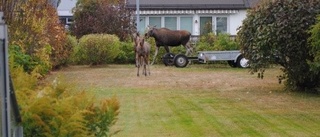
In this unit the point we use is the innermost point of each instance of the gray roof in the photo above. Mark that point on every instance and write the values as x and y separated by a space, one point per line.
190 4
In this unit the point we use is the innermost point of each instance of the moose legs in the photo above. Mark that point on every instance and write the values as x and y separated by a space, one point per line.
189 48
155 55
138 63
142 61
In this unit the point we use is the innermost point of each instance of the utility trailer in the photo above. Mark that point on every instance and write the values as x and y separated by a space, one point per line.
234 58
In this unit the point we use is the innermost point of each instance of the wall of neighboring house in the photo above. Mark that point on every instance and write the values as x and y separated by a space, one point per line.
65 12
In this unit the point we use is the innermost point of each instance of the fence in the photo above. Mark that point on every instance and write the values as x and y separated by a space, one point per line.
10 116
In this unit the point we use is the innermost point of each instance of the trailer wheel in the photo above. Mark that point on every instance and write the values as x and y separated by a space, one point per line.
181 61
242 62
232 63
167 59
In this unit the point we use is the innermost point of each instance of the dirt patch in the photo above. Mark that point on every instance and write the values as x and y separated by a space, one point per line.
192 77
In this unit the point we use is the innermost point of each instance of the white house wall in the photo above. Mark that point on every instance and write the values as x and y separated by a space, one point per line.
235 18
235 21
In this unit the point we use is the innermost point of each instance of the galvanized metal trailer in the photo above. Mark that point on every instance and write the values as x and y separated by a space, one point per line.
233 57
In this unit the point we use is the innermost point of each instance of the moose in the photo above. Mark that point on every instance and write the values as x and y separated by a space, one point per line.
142 51
166 37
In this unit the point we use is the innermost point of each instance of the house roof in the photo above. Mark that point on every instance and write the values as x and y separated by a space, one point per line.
190 4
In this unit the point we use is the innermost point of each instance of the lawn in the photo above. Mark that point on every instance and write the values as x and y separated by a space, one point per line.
199 101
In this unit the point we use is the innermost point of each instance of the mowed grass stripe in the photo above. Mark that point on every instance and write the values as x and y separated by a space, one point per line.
232 119
293 125
188 113
197 120
200 101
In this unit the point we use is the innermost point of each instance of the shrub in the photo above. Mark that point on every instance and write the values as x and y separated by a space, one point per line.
97 49
209 38
63 53
21 79
102 116
224 42
38 63
60 110
315 51
277 32
19 59
211 42
71 44
127 54
42 58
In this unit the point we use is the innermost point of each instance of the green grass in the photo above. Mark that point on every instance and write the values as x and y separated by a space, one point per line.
200 102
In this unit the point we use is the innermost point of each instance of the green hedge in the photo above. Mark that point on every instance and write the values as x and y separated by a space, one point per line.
95 49
210 42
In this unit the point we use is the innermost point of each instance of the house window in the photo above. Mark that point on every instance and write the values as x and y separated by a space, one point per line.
186 24
213 24
69 20
222 25
155 21
142 25
205 25
170 23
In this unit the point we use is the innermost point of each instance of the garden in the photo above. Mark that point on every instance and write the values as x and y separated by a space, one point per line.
199 100
83 82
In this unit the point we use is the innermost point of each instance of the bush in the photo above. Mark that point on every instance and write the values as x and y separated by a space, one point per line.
127 54
72 44
42 58
19 59
95 49
315 51
65 53
277 32
212 42
38 63
60 110
224 42
21 79
102 116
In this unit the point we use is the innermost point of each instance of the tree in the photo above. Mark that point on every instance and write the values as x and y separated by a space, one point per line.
34 27
9 8
276 32
102 16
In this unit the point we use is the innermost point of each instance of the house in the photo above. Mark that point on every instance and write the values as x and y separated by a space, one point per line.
197 16
65 11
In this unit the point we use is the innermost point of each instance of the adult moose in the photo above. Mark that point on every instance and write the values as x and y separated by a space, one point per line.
142 50
166 37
